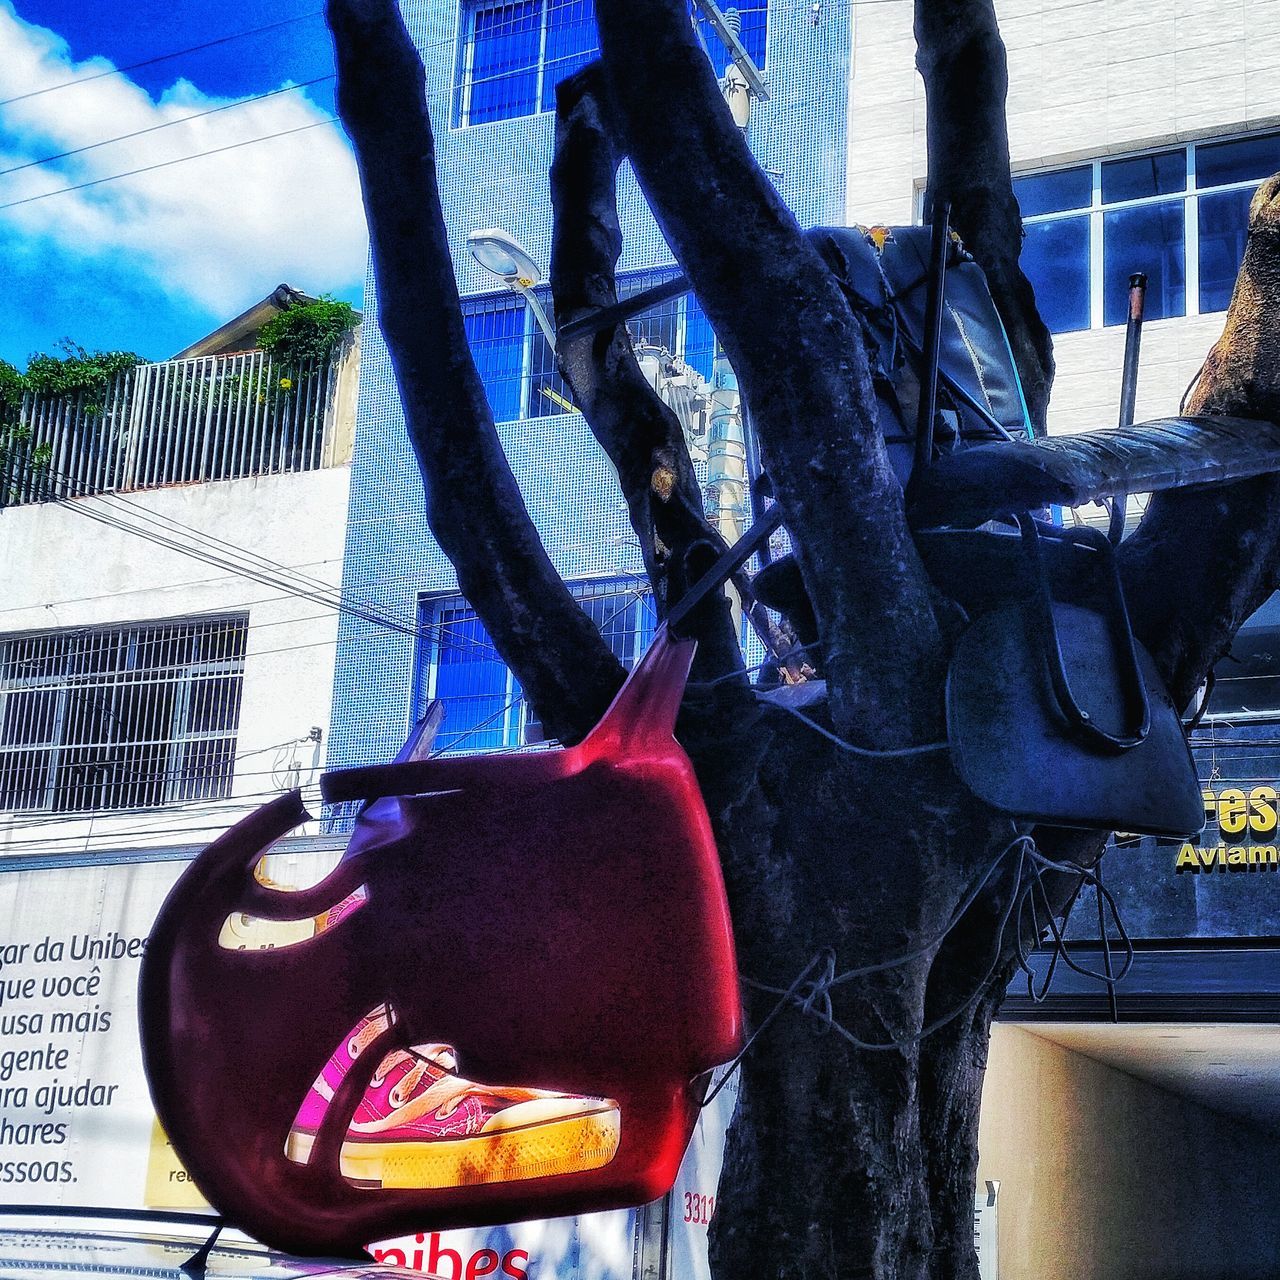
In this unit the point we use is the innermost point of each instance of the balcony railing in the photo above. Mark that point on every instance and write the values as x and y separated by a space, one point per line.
178 422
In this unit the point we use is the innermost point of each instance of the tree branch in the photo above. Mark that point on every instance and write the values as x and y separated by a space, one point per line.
473 505
798 354
641 435
1201 562
962 59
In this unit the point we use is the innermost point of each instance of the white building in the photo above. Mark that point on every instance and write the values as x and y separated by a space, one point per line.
168 616
1137 135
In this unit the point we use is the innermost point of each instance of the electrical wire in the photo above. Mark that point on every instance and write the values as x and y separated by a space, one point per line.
165 164
163 57
168 124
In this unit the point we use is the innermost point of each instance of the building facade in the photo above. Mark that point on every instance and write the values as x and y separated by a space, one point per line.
171 569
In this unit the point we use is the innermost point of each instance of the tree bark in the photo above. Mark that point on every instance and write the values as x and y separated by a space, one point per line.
761 283
641 435
473 504
962 59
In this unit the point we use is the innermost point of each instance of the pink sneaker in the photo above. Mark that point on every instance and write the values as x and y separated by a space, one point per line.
421 1125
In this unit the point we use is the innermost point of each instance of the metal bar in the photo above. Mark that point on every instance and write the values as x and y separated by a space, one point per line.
927 408
620 312
737 50
726 566
1128 390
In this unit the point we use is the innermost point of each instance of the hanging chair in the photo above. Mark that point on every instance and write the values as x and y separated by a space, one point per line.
508 990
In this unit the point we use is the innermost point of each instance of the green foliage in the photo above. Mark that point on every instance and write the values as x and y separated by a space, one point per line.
76 372
308 332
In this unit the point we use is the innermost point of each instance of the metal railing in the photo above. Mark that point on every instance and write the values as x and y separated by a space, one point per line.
177 422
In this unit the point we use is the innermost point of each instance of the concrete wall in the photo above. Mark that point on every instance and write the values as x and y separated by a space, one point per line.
1102 1175
60 569
1085 80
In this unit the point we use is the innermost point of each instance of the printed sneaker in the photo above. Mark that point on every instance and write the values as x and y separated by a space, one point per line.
421 1125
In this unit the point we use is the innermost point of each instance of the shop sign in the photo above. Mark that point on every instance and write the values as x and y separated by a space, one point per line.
1245 822
77 1127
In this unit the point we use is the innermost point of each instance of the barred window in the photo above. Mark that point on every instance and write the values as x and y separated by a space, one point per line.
518 367
514 52
485 708
120 717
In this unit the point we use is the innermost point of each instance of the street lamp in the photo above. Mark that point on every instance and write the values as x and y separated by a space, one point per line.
501 255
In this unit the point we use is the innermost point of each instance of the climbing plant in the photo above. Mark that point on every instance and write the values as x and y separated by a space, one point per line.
307 332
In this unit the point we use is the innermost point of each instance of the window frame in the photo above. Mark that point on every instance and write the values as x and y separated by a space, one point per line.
516 714
629 284
1096 212
71 733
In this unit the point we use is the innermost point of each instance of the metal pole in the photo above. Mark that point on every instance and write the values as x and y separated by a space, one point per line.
1129 388
928 405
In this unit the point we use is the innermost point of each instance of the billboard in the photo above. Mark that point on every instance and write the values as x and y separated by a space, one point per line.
77 1127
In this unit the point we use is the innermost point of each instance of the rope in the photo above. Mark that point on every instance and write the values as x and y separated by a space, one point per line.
812 995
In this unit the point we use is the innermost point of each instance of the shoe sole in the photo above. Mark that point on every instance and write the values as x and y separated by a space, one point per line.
575 1144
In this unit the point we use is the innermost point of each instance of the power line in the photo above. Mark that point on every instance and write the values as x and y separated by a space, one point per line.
164 164
163 57
168 124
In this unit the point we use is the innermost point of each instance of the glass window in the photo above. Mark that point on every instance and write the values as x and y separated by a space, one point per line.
1131 214
484 706
120 717
1156 175
1054 192
1149 238
699 340
1244 160
549 393
495 331
1055 258
1224 227
504 45
571 43
515 52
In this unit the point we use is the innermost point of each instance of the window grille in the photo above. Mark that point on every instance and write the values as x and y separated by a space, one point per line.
485 709
514 52
1181 215
121 717
518 367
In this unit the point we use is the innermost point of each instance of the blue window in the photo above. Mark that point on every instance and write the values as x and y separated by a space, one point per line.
1055 258
1146 238
519 369
514 52
1181 216
496 333
485 709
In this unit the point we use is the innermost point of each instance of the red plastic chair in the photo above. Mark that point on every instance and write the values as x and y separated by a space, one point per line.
558 918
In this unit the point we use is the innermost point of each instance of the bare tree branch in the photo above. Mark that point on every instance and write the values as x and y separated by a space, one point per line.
641 435
962 59
798 354
473 504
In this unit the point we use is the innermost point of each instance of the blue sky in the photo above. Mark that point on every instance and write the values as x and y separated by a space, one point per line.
152 262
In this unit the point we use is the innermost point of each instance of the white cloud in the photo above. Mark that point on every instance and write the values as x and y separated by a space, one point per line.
222 230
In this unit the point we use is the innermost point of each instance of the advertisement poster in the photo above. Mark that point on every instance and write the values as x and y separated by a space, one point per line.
77 1127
